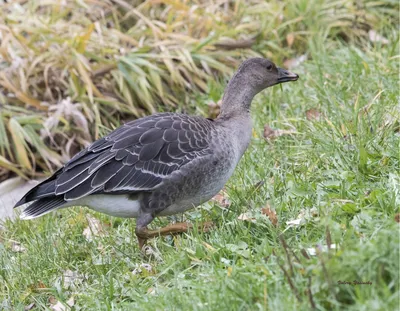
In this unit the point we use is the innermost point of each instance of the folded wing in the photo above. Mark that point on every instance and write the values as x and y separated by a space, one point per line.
136 157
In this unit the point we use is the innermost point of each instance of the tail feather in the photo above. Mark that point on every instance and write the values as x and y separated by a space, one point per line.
44 189
42 207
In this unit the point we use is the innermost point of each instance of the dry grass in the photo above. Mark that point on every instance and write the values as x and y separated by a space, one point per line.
72 70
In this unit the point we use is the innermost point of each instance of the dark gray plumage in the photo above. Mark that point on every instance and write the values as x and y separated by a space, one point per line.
160 164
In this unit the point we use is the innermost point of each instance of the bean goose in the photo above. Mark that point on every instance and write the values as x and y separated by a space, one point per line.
162 164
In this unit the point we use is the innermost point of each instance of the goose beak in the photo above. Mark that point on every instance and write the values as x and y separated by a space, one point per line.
286 76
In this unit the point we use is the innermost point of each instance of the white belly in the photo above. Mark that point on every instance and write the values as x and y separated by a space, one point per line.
114 205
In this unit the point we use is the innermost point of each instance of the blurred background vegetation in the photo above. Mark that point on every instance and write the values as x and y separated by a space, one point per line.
72 70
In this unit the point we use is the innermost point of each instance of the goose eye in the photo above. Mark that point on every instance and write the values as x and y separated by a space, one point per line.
269 67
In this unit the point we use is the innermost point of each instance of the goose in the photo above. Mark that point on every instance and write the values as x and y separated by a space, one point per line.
162 164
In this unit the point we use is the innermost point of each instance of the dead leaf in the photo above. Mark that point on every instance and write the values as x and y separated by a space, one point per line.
376 37
290 39
40 285
271 134
59 306
222 199
270 214
294 62
17 247
295 222
95 228
313 114
305 215
246 217
71 302
397 217
29 307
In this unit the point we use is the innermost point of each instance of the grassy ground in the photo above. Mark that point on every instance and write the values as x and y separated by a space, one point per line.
338 172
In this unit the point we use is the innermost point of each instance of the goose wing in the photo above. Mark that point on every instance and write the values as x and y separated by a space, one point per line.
136 157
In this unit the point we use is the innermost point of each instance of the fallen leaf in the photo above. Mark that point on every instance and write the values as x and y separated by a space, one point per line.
313 114
71 302
59 306
397 217
17 247
246 217
290 39
295 222
376 37
294 62
222 199
271 214
271 134
306 214
29 307
40 285
95 228
299 220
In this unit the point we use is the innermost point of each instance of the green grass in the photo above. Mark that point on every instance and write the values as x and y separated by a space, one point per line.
341 170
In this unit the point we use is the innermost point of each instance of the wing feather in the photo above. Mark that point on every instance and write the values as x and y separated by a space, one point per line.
138 156
106 173
119 178
150 151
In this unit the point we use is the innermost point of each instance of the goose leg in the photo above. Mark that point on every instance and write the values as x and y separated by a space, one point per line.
141 230
143 234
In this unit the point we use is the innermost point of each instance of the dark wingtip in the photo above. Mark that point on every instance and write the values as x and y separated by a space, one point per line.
41 190
22 201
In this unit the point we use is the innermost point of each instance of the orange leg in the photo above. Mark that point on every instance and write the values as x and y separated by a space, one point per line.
143 234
